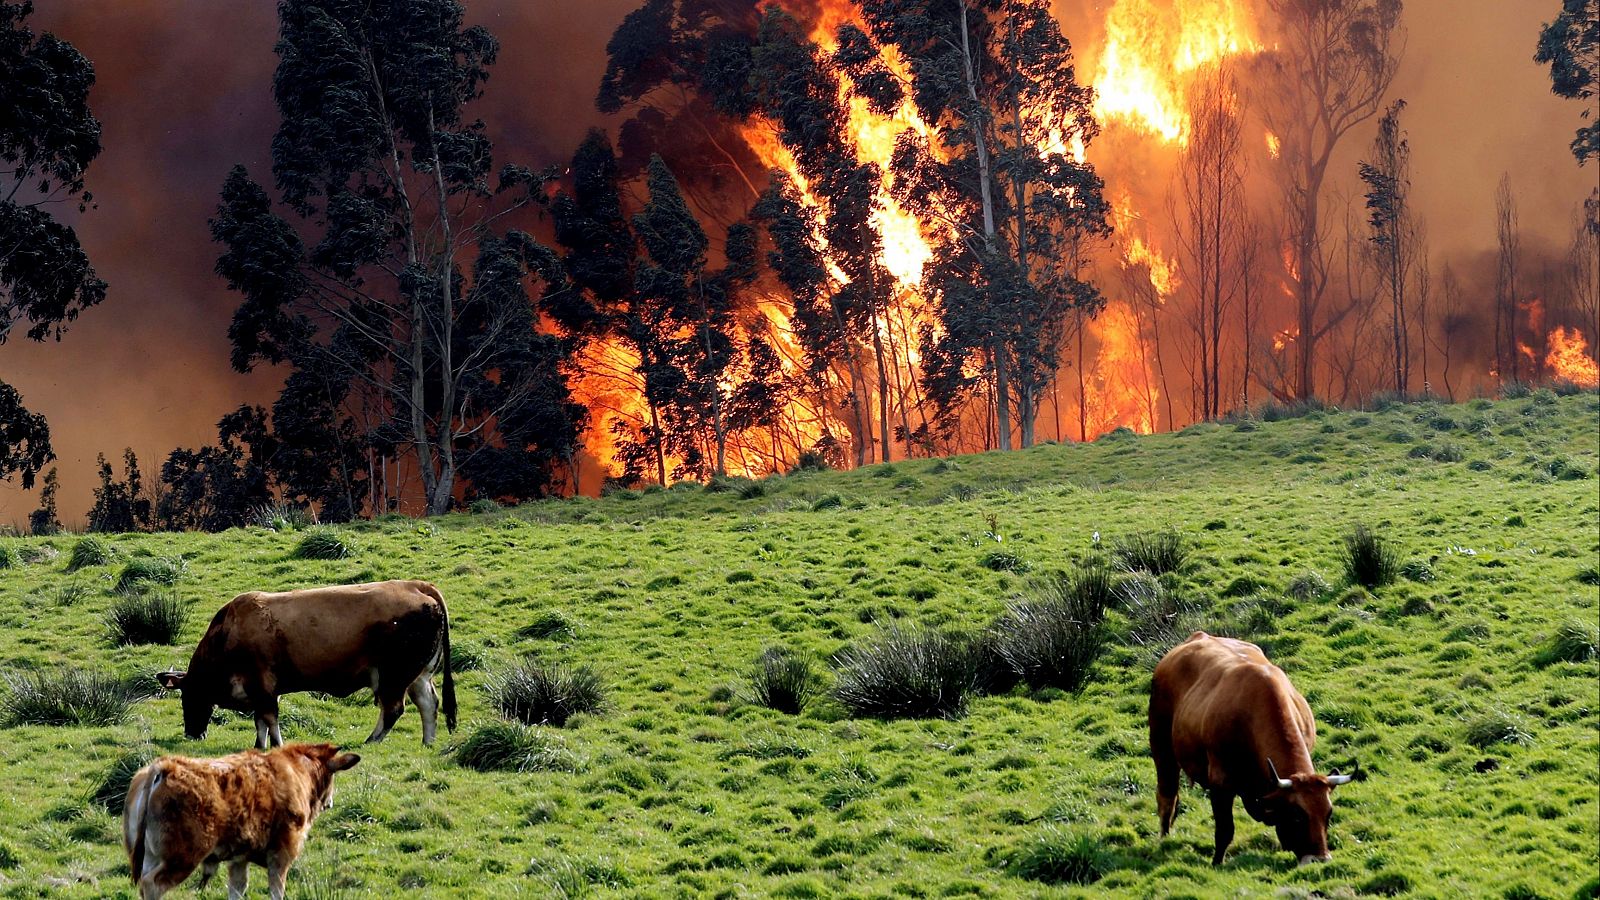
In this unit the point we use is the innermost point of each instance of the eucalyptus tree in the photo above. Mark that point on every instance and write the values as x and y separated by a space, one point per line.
1013 202
48 137
392 185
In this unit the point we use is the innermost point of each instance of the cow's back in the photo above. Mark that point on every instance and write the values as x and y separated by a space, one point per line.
327 638
1220 698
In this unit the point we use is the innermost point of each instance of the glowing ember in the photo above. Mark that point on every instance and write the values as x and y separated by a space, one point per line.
1569 358
1139 78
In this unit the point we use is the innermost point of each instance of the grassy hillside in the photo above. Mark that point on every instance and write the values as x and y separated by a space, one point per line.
1466 690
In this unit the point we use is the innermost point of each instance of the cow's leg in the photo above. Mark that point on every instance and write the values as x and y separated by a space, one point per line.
207 869
278 872
1167 778
1222 811
267 734
238 878
426 699
389 710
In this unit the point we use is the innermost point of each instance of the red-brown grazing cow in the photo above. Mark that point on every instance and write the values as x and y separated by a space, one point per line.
1229 719
390 636
250 807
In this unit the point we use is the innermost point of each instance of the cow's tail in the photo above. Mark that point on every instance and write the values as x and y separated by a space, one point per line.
448 688
136 817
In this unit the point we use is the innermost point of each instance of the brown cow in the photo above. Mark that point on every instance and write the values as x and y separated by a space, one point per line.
1229 719
250 807
390 636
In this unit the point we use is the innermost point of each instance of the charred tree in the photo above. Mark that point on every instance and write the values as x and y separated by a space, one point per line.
1334 65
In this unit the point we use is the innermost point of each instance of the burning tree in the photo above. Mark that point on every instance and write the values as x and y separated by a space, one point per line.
375 157
1004 181
1333 67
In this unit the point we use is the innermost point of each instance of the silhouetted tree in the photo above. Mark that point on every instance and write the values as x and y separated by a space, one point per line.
376 158
120 506
1387 175
1571 46
1013 201
48 137
46 519
1333 65
1505 283
216 488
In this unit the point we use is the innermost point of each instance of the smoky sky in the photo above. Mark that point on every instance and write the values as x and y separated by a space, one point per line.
183 91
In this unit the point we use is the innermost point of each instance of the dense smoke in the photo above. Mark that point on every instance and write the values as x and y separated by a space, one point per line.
183 90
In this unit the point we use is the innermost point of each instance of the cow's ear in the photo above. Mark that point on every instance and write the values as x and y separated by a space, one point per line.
343 761
171 680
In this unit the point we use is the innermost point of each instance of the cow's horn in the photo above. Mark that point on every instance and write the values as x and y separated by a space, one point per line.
1282 782
1335 779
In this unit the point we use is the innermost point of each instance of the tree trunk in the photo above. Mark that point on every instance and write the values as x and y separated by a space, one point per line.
1002 398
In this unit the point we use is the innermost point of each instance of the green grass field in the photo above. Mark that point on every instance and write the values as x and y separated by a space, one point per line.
1469 698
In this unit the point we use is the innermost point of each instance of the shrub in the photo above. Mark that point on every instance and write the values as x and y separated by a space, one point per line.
1565 470
1055 856
68 697
1157 553
1052 638
112 790
155 618
991 674
827 501
143 571
1497 727
539 693
905 673
38 554
483 506
1001 561
1418 571
282 517
323 543
750 490
514 747
781 680
549 625
1309 585
811 461
1573 642
90 551
1368 561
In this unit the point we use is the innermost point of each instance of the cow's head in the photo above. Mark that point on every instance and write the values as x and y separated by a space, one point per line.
197 702
1299 808
320 762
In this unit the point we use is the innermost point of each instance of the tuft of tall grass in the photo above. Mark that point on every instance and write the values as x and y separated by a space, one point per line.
9 558
67 697
515 747
540 693
1057 856
112 790
551 625
991 673
154 618
282 517
1052 637
1497 727
1368 561
143 571
90 550
1157 553
322 542
781 680
483 506
1574 641
910 673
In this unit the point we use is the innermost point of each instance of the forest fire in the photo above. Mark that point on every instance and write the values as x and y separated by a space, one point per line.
1569 359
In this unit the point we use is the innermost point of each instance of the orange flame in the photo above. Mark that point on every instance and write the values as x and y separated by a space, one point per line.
1569 358
1140 74
1274 145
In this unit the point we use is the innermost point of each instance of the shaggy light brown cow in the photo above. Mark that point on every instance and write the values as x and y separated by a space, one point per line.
1230 720
390 636
251 807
